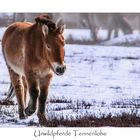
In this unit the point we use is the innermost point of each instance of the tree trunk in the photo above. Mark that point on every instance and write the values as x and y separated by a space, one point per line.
122 23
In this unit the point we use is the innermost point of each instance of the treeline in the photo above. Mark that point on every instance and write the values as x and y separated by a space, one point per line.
112 22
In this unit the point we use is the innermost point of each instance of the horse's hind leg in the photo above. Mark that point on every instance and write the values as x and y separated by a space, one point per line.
19 91
25 89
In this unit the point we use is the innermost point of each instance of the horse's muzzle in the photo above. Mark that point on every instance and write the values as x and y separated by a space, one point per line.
60 70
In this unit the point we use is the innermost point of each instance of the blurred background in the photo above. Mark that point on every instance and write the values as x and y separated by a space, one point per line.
97 27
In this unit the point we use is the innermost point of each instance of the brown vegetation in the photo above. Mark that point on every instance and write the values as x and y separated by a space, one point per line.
131 119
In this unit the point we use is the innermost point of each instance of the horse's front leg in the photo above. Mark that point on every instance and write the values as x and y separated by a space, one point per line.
44 85
33 85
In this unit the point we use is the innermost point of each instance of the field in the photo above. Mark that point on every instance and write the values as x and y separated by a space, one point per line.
100 88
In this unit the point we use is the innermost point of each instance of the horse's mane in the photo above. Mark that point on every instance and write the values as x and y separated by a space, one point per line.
47 20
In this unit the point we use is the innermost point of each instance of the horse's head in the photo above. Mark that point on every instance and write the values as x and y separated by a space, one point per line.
53 48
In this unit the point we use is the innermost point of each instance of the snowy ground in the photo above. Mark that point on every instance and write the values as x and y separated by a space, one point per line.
105 77
98 75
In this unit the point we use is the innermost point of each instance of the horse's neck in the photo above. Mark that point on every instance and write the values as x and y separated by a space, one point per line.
34 43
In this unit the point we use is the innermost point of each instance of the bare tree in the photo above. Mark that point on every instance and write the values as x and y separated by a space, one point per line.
88 21
109 21
138 18
118 21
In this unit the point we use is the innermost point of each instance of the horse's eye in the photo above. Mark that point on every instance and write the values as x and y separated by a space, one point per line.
48 46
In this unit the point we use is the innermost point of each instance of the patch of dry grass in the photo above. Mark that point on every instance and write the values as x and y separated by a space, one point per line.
122 120
131 119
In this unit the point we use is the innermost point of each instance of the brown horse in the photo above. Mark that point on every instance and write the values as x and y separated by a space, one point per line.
33 51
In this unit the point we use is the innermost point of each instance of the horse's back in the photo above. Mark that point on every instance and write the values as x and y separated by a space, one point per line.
14 45
15 30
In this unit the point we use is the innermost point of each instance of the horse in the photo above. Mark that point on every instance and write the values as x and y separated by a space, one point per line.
33 53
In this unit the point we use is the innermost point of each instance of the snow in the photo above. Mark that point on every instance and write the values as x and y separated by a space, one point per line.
85 35
78 34
2 31
95 72
127 39
99 75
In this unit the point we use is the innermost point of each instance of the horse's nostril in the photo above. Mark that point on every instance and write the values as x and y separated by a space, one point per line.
59 70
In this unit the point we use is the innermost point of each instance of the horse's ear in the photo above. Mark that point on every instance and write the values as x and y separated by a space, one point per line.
45 29
60 26
60 29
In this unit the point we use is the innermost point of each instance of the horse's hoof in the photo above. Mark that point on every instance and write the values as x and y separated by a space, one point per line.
22 116
29 112
42 120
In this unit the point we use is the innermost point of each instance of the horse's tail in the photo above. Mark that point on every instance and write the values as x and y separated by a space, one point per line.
11 93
